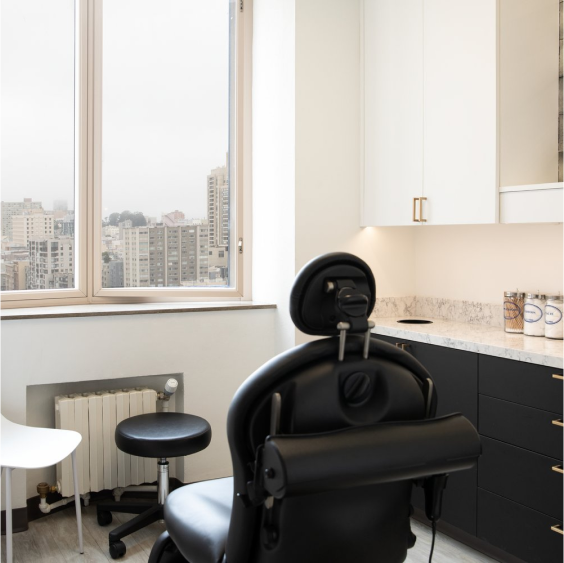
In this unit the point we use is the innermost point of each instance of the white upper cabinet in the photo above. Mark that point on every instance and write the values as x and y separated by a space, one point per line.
393 110
460 101
459 131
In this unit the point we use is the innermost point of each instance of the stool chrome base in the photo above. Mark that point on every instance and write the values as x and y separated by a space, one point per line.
147 512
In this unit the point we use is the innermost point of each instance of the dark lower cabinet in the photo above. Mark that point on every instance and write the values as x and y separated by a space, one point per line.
532 429
455 374
520 382
528 478
518 530
512 500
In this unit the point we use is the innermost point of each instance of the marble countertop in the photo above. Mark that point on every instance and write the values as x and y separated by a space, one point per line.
482 339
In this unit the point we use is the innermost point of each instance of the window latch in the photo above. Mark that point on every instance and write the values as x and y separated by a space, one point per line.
240 246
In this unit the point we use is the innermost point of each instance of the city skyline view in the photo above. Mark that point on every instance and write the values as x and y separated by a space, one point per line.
164 127
137 250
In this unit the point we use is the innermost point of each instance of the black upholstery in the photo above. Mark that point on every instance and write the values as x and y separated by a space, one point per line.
368 455
198 519
163 434
327 477
317 310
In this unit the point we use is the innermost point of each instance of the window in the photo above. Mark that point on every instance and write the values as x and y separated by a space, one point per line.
38 141
123 140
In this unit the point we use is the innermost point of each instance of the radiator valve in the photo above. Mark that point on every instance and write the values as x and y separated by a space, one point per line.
169 390
44 488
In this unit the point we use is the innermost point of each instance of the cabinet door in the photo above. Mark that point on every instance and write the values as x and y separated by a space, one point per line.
393 110
455 374
518 530
460 109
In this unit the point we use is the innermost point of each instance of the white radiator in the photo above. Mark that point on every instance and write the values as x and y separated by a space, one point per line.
100 464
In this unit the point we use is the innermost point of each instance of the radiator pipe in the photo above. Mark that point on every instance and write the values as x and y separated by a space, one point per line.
44 488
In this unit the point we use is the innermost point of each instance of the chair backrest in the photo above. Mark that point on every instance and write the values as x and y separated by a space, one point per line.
326 439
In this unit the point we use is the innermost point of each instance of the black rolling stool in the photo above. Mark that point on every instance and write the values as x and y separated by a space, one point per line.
160 435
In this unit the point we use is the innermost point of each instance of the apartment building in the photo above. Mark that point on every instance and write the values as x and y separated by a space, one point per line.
51 263
112 273
218 207
32 224
164 256
12 208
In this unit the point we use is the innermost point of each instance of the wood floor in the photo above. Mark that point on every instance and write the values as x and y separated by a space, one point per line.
447 550
53 540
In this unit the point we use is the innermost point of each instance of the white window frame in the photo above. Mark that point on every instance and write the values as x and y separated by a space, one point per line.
88 185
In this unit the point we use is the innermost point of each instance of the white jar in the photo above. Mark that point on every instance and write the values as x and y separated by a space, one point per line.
553 317
533 314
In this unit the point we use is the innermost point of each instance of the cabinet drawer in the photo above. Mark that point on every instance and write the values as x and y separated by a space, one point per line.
520 382
518 530
522 476
521 426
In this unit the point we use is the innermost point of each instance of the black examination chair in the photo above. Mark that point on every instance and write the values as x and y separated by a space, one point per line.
327 441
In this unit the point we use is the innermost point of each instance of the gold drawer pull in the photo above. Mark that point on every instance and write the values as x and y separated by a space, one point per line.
556 376
558 422
558 529
558 469
421 200
415 200
401 345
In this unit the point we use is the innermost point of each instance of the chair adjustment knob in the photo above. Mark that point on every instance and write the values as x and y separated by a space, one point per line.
356 388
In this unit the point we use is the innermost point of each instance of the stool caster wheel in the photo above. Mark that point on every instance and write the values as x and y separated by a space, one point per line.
104 517
117 550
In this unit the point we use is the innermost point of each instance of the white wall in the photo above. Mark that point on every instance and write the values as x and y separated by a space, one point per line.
274 155
328 149
216 351
479 263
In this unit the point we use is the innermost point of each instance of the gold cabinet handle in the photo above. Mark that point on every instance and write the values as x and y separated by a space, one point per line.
421 200
558 529
557 468
415 200
556 376
558 422
401 345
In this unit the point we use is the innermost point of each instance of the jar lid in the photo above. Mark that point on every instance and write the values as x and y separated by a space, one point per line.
554 297
535 296
514 294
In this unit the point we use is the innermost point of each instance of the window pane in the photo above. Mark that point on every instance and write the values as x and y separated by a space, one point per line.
165 143
38 144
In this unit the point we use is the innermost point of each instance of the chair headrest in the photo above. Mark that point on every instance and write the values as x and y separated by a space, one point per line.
331 289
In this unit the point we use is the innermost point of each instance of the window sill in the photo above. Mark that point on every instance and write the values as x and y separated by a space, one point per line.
106 310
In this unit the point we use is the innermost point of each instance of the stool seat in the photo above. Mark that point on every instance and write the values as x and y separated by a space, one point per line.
163 434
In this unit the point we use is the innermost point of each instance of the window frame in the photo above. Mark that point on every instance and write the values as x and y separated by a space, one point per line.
88 185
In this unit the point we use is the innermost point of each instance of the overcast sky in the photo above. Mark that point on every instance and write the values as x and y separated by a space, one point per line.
165 102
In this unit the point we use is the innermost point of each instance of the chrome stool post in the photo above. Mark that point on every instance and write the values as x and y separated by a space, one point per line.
162 480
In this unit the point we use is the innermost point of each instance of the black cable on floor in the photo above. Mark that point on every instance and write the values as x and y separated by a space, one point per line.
434 531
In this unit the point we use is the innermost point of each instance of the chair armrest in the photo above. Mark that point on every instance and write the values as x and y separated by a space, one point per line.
368 455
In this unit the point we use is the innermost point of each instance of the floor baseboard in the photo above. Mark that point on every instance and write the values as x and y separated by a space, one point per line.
19 520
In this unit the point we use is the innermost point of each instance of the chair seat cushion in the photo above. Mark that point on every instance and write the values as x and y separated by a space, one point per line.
163 434
197 519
